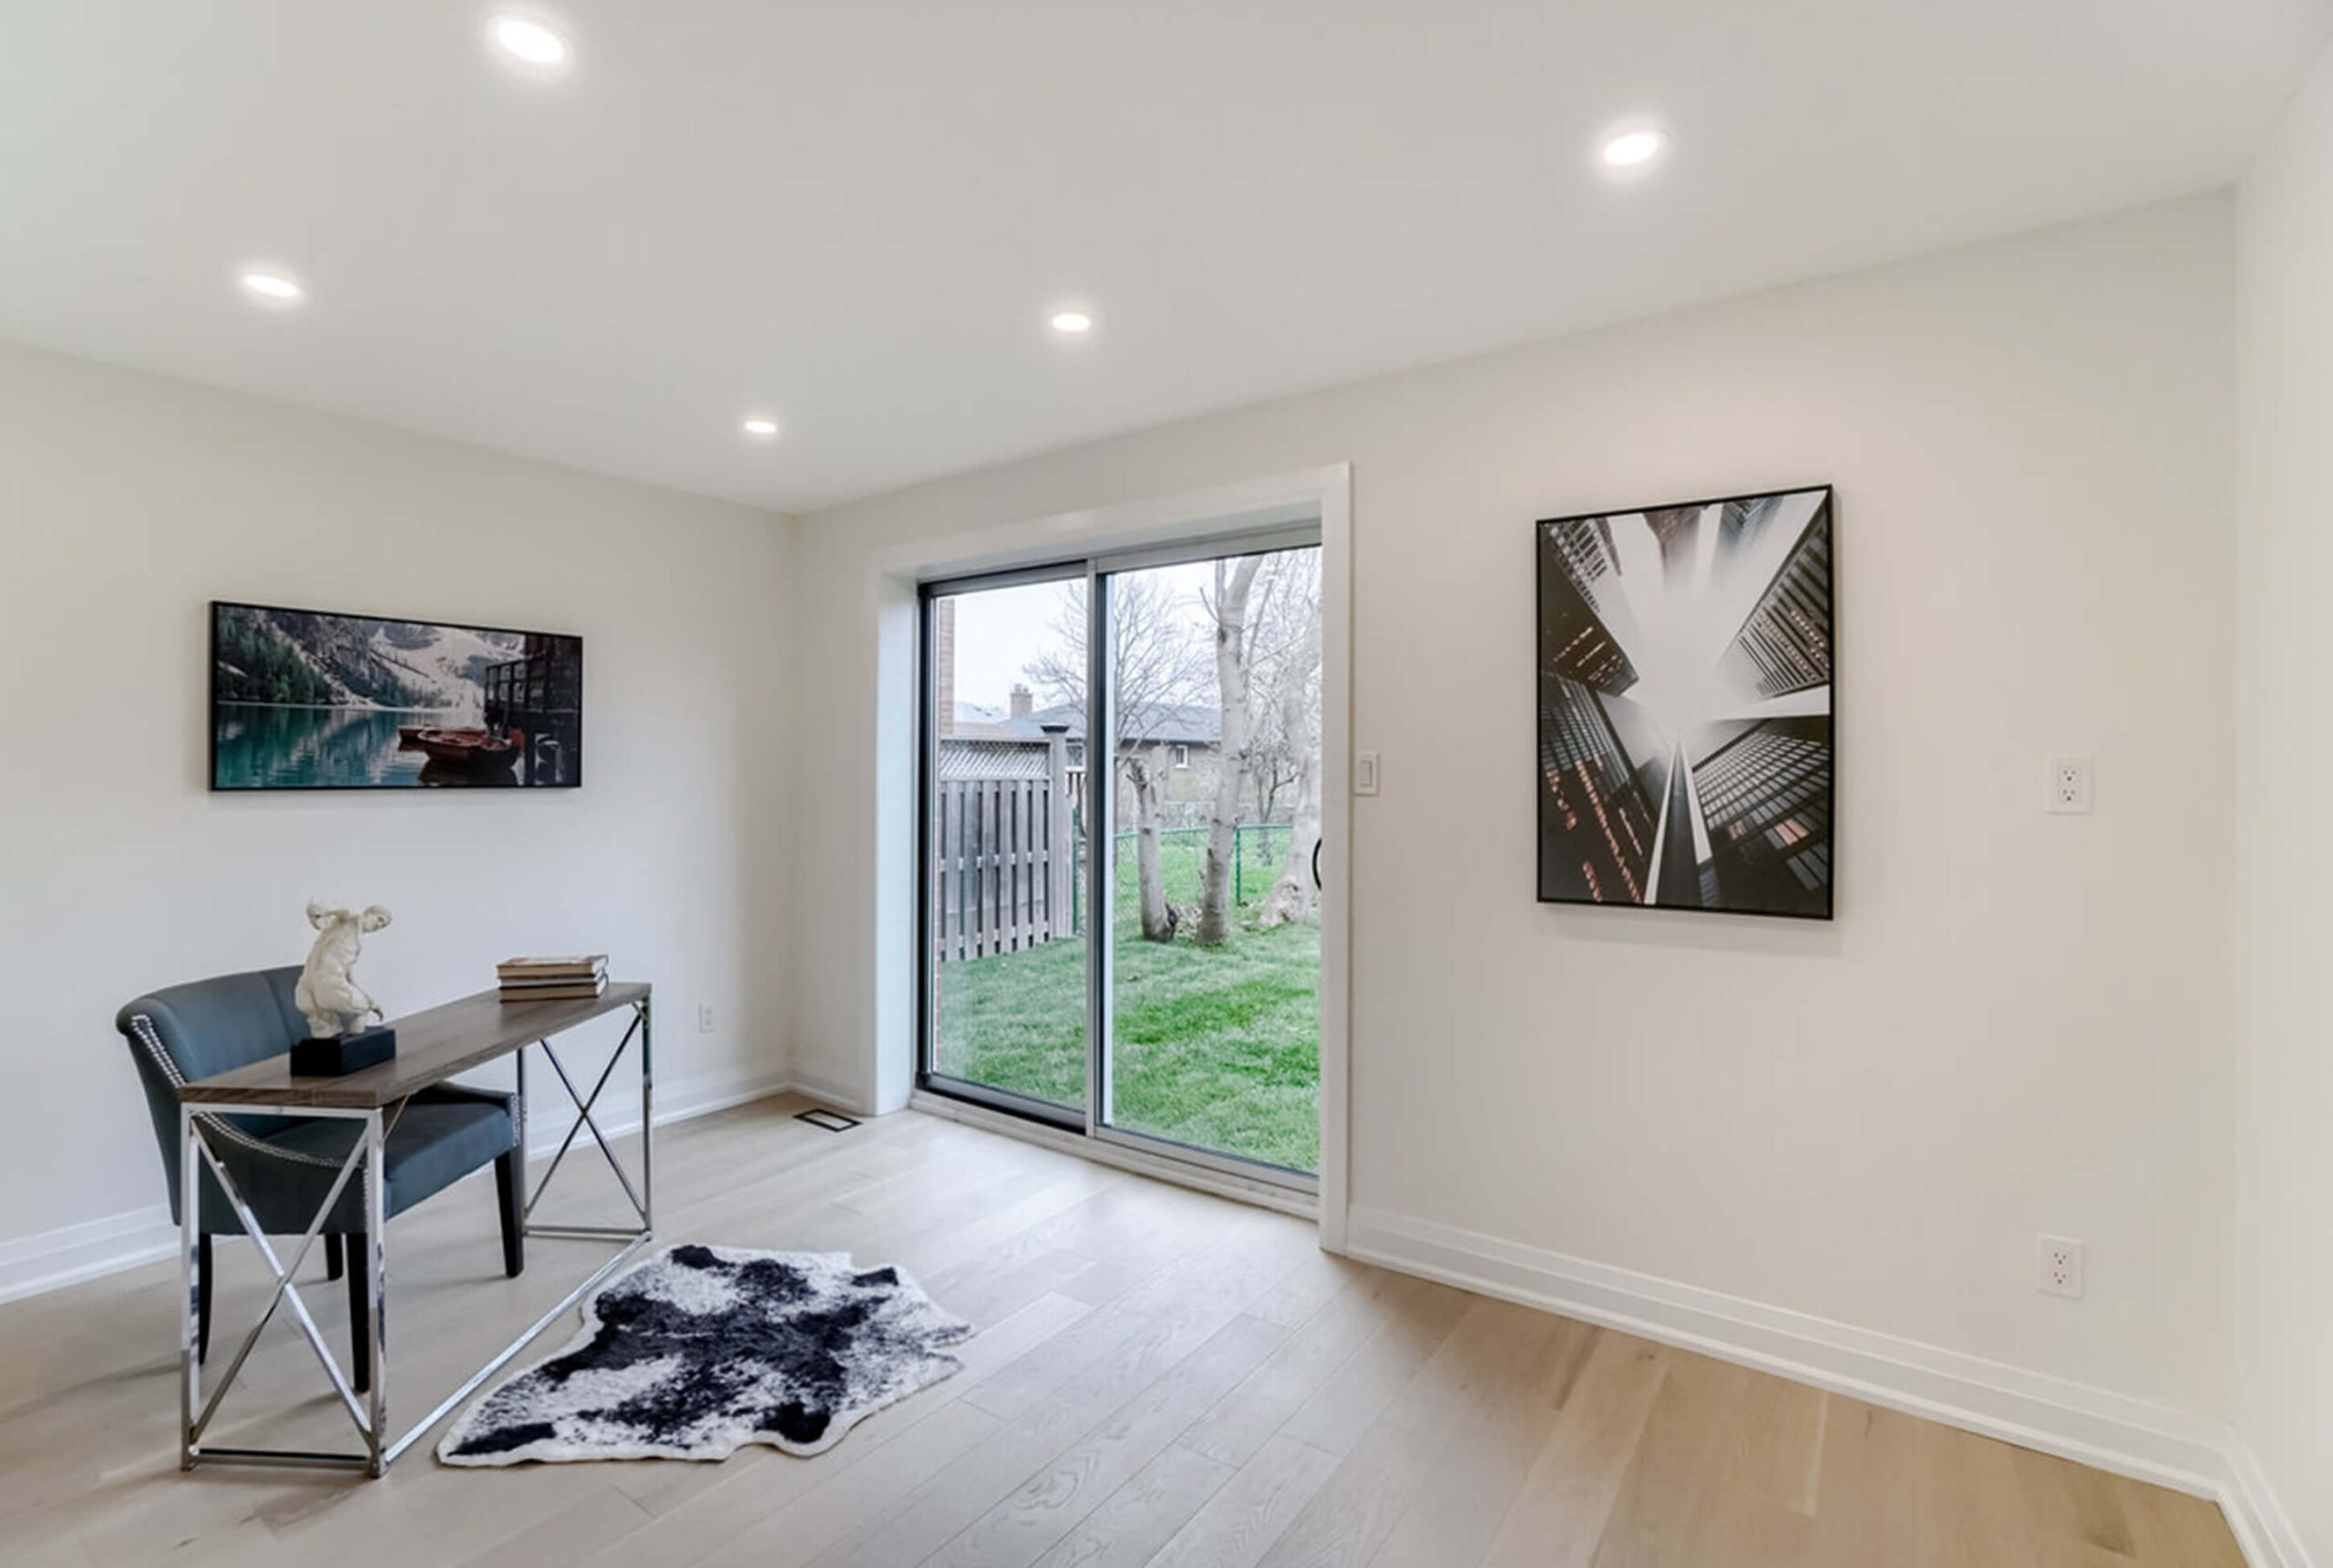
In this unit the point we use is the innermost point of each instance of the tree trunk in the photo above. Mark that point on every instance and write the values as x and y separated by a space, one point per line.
1232 581
1291 898
1150 882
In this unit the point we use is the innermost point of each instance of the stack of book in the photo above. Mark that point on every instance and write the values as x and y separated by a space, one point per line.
553 979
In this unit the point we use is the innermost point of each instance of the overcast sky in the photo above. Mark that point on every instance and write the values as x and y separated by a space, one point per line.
1000 631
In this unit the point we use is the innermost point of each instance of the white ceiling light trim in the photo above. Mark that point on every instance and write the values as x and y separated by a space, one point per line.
272 286
1633 149
529 41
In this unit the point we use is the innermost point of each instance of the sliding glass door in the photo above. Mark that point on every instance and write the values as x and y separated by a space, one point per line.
1007 982
1214 949
1129 943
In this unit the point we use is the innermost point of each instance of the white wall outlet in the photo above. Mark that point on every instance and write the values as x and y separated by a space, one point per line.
1364 773
2057 1264
2069 785
705 1018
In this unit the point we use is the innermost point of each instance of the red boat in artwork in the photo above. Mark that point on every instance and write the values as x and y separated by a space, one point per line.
461 748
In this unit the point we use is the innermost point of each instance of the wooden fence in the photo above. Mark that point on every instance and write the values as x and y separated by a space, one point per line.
1004 872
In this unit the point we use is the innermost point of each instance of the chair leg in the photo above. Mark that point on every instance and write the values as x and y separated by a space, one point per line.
360 1338
332 1255
203 1299
509 1184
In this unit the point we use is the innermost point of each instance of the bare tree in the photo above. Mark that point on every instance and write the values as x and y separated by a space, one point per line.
1296 675
1274 759
1160 667
1234 580
1285 664
1266 610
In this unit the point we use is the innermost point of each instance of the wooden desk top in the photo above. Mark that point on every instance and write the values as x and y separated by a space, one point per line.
432 1046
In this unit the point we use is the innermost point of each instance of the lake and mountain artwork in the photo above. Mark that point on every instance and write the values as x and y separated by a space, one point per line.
305 700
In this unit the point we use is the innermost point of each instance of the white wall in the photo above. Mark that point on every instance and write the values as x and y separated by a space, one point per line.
127 502
2018 1024
2284 1318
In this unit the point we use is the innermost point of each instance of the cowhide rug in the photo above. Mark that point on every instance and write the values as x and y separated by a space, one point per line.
701 1350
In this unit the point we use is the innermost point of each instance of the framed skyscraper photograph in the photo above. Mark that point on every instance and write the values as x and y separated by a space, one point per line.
1686 747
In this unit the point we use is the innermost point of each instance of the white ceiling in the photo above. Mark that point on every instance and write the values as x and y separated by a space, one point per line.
858 215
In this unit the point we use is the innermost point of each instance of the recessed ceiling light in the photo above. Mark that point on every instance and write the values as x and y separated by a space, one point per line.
761 427
528 41
1073 322
1633 148
272 287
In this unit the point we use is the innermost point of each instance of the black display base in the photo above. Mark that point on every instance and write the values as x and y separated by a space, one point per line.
344 1054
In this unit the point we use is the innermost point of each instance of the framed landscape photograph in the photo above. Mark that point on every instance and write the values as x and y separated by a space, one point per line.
1686 748
304 699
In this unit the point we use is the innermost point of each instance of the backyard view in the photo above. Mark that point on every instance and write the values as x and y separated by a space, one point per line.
1213 916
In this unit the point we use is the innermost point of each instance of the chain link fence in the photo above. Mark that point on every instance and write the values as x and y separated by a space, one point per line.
1257 854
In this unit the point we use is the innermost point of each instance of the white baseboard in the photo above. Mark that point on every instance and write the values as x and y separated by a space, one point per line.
830 1092
553 1114
2262 1527
2112 1431
70 1255
51 1260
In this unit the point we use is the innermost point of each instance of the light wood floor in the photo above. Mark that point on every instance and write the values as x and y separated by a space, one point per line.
1159 1379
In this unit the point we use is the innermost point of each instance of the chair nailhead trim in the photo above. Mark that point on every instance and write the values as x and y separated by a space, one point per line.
153 1041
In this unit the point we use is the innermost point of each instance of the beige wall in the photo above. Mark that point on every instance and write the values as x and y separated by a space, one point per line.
2018 1024
127 501
2284 1318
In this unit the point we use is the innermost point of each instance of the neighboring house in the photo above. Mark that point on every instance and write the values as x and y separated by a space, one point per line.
979 742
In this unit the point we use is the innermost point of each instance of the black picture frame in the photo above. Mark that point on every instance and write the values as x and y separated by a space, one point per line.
1559 599
548 701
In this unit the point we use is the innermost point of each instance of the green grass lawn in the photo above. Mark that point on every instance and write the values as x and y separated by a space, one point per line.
1215 1046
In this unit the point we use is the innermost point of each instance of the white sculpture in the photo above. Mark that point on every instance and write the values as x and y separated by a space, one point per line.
328 994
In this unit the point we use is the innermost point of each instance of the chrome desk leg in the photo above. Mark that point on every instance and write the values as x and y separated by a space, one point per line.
376 1266
189 1310
196 1156
647 1121
585 1122
631 1241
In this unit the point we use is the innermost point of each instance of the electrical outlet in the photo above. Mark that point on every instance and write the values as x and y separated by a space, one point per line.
2057 1263
2069 785
1364 773
705 1018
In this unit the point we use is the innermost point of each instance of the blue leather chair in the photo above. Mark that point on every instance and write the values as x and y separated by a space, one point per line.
284 1166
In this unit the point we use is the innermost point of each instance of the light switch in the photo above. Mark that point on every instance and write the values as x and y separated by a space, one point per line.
1364 773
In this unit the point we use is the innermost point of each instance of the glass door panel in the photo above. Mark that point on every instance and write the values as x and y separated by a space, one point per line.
1211 1039
1006 963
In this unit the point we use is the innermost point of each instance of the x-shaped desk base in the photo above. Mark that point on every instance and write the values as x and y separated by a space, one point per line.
202 1132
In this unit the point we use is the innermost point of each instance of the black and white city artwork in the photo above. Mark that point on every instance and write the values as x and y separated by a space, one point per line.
1685 713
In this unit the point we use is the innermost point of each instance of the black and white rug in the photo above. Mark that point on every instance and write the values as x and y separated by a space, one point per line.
703 1349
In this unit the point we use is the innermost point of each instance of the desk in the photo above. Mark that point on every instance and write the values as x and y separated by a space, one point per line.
432 1046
